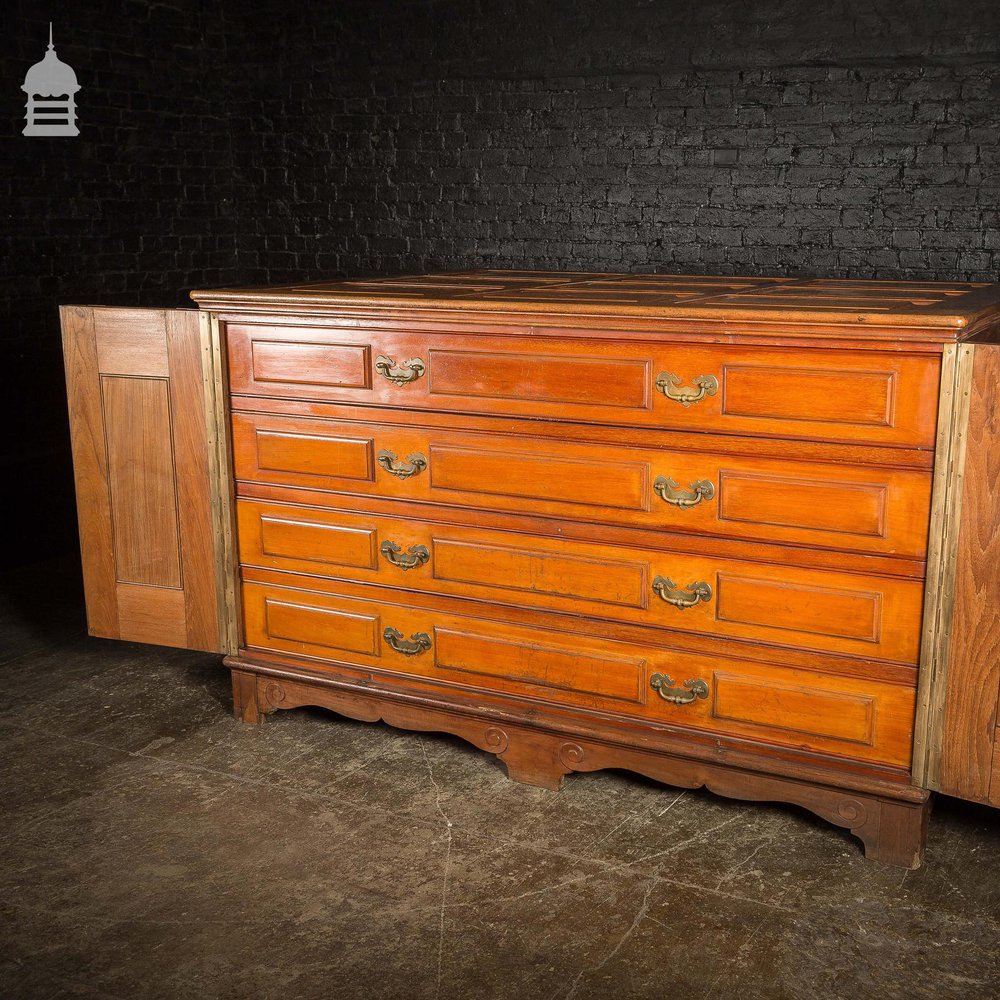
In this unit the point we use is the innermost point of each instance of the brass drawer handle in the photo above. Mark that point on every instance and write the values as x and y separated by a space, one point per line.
418 643
667 490
392 553
682 597
688 692
408 371
667 383
413 465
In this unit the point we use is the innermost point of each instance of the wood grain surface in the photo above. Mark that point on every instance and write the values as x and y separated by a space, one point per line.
973 678
864 719
144 493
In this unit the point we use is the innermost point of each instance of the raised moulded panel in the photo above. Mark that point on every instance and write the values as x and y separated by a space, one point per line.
843 507
836 397
538 572
547 666
601 484
792 708
314 455
849 614
341 365
141 481
309 626
553 379
326 543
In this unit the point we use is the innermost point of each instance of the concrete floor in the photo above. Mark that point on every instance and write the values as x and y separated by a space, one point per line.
153 847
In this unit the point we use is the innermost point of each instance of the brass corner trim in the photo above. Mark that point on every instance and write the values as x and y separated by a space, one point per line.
942 553
217 427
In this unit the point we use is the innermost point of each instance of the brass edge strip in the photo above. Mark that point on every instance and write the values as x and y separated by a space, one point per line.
220 472
942 551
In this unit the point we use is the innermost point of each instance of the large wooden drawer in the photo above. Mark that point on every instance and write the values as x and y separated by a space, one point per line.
860 509
814 609
860 396
847 716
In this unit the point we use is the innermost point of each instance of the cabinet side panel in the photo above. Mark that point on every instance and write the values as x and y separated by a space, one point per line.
973 678
195 481
90 469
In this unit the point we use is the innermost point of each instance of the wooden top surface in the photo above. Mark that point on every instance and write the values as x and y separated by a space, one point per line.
943 306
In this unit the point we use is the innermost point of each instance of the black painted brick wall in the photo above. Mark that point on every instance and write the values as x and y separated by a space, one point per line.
401 137
262 141
135 210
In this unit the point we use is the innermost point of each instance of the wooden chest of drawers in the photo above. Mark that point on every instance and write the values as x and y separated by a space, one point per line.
715 531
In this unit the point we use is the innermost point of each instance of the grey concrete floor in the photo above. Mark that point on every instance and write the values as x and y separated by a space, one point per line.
152 847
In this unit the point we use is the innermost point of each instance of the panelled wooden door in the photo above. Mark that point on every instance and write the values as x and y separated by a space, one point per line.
148 480
963 666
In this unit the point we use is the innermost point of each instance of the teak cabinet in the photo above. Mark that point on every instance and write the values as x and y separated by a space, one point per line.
727 532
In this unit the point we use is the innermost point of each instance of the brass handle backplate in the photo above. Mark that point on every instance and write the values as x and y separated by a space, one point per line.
418 643
408 371
669 384
668 491
394 554
688 692
682 597
414 464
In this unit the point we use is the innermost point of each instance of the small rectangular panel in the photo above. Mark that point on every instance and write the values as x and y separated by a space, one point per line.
838 397
606 581
607 676
315 455
621 485
141 480
150 614
131 342
780 604
843 507
313 626
339 365
559 379
285 538
799 709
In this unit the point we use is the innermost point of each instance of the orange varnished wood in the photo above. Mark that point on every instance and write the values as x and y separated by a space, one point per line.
608 628
824 395
141 480
140 451
592 482
873 720
642 437
970 751
648 538
780 605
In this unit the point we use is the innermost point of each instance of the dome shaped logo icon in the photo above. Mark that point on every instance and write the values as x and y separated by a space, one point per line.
51 88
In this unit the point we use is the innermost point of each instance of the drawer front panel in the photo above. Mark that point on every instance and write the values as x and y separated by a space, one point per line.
812 394
860 509
824 610
849 717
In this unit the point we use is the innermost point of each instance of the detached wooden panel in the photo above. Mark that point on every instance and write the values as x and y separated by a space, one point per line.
147 496
970 753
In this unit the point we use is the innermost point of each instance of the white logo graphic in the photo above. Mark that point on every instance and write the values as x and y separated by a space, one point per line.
51 86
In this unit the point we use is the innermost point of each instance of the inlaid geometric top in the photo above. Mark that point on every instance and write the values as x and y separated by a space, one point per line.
802 300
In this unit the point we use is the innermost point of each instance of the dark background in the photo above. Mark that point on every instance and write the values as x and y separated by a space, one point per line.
263 142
